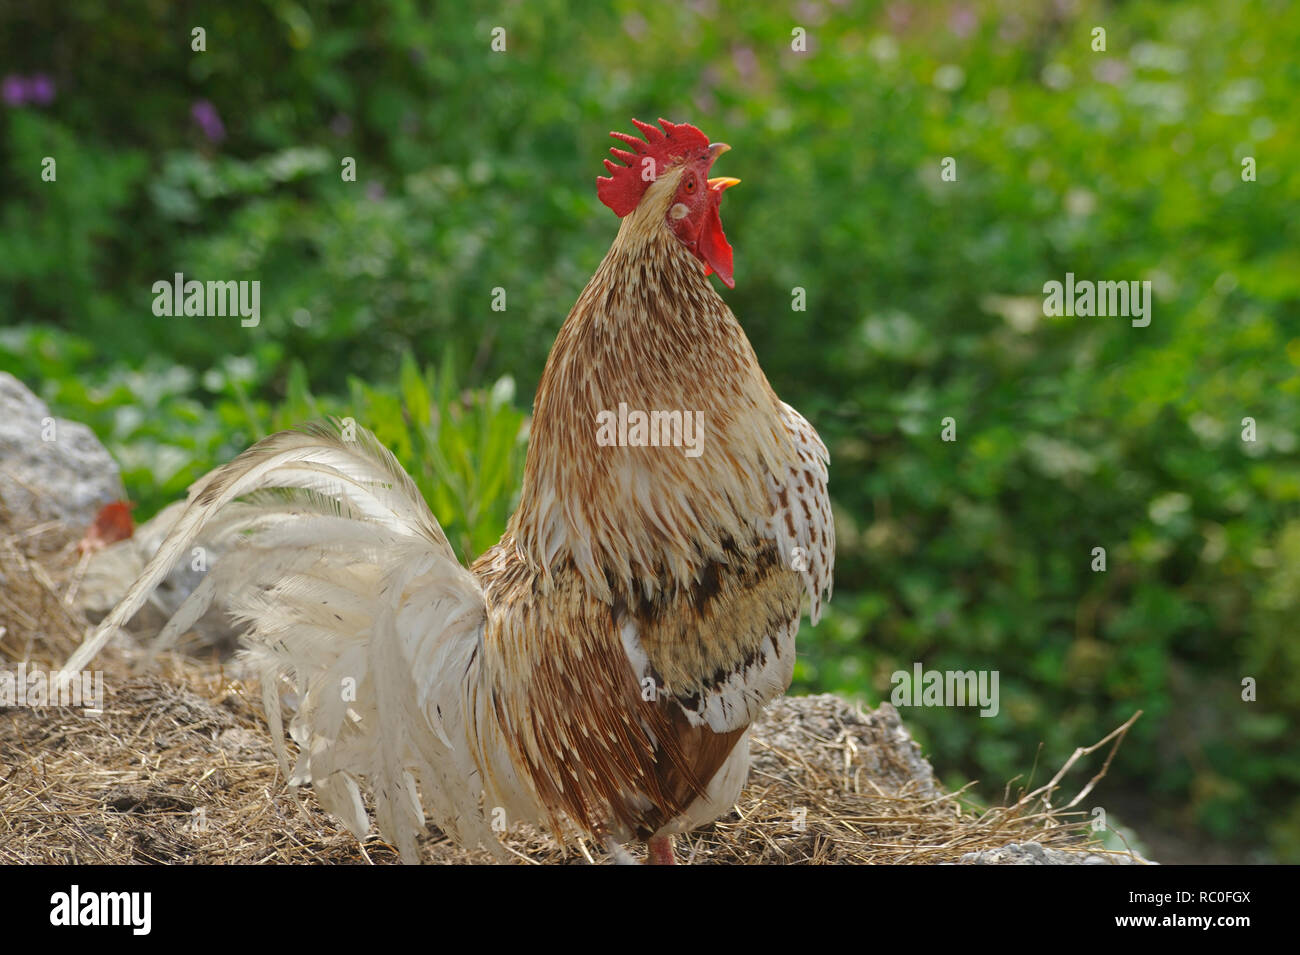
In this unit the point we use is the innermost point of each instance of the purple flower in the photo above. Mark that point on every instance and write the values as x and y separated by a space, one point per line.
962 21
1012 29
205 115
634 25
374 191
746 62
1111 70
341 124
900 15
18 90
40 89
13 90
809 12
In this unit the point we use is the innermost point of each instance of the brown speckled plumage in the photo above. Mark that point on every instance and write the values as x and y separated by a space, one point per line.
677 546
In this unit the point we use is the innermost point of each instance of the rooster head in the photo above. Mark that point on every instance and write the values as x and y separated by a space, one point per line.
692 215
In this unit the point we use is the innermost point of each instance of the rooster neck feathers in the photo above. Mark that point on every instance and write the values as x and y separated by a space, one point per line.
649 334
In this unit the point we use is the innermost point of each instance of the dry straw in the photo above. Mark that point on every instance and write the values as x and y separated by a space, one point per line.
179 768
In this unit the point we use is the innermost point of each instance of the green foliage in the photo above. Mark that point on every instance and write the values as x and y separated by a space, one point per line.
475 172
465 449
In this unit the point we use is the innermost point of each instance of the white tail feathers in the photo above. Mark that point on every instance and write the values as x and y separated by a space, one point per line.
352 595
359 479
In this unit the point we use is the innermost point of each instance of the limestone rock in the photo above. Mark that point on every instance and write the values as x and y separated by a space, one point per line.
67 478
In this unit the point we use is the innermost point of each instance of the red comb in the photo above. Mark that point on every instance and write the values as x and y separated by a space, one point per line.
624 186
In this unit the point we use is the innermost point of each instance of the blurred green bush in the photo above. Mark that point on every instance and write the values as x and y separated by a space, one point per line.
475 171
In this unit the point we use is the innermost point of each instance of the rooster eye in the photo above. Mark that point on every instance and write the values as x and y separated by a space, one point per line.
690 185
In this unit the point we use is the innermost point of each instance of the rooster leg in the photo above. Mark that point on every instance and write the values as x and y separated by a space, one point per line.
660 851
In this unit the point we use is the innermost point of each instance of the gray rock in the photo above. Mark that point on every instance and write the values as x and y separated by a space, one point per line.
68 478
111 571
1031 853
821 726
826 731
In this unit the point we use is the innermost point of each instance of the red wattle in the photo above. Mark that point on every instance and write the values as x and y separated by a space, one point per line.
715 249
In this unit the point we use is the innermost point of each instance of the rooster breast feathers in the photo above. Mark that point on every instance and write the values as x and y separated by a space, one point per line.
728 646
731 648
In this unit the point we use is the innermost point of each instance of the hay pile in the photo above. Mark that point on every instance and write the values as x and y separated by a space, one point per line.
179 768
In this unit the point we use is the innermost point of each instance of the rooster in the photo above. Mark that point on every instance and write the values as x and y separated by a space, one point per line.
600 666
